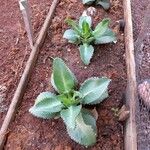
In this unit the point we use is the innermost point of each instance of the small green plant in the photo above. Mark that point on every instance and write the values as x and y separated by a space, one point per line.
68 103
104 3
83 35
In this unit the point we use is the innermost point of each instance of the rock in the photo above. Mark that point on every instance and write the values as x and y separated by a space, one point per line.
123 113
91 11
95 113
58 147
144 92
67 148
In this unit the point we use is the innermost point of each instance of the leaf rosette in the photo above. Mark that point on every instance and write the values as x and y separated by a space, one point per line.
68 103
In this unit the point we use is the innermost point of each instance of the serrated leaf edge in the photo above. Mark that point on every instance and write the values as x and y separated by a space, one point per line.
94 79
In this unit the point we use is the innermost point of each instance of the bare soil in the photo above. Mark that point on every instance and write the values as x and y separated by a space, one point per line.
141 24
14 47
30 133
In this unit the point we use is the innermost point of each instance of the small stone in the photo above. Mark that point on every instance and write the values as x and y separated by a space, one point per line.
42 85
123 113
68 49
67 148
144 92
95 113
91 11
53 123
59 147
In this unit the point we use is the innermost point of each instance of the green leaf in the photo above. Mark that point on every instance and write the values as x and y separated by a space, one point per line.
87 2
82 133
86 31
86 19
101 28
77 95
89 119
103 96
94 90
69 115
64 80
71 36
46 106
52 82
104 3
86 53
74 25
67 100
64 99
107 37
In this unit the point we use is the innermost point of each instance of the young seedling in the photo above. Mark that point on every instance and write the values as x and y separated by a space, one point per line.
104 3
83 35
68 103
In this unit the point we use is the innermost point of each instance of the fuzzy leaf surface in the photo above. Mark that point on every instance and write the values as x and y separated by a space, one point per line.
71 36
74 25
86 31
88 2
101 28
103 96
89 119
104 3
52 82
86 19
67 101
86 53
94 90
107 37
82 133
69 115
64 79
46 106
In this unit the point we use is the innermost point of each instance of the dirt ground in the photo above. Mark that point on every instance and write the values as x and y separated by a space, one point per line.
14 47
141 26
30 133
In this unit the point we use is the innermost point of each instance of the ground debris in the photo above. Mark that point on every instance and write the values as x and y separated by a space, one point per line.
3 90
123 113
144 92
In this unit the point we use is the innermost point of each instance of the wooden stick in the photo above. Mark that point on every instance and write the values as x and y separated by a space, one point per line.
131 94
25 76
24 7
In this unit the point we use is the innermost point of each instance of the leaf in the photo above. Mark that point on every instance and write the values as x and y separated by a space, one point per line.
74 25
86 53
64 99
107 37
67 101
103 96
69 115
101 28
77 94
94 90
86 19
87 2
104 3
86 31
46 106
64 79
82 133
52 82
71 36
89 119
